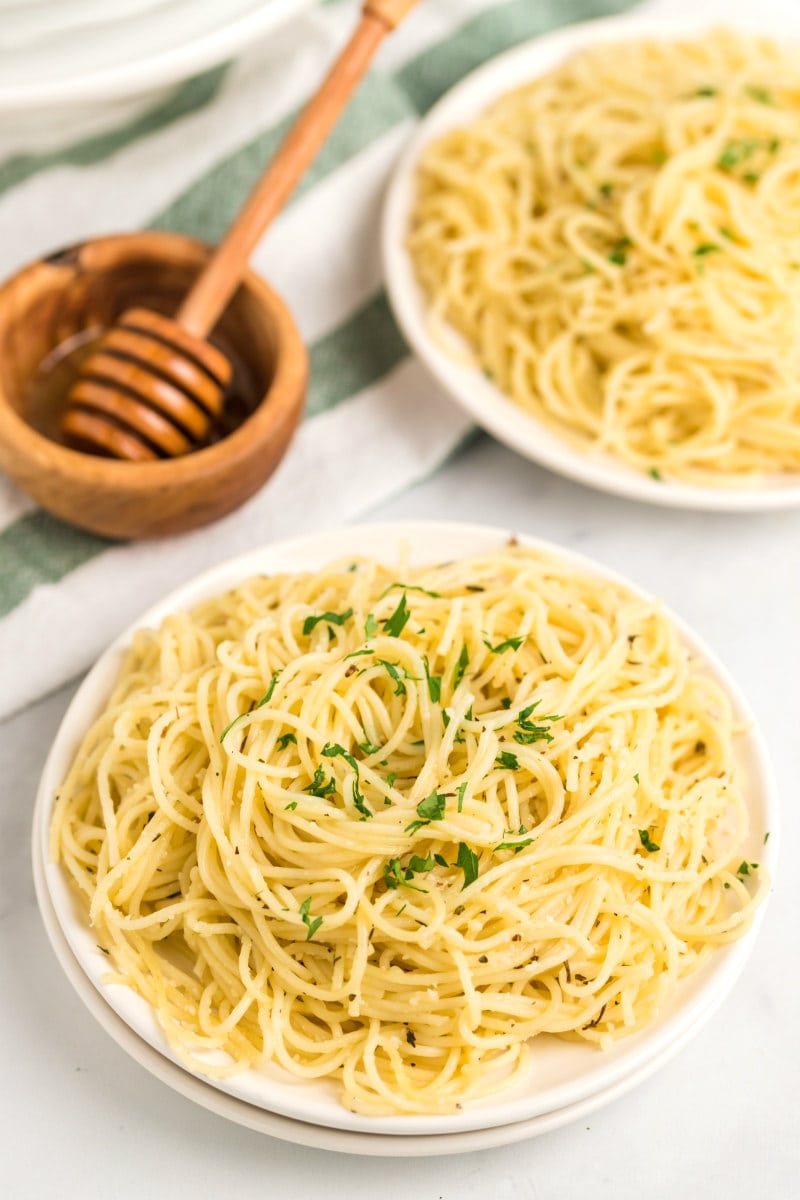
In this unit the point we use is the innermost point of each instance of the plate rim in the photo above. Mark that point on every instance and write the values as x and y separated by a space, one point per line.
465 385
303 1133
325 546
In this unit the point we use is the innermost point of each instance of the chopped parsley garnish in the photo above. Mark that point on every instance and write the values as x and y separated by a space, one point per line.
727 233
739 150
320 786
311 926
636 777
396 623
654 473
706 248
746 868
330 618
512 643
461 666
760 94
605 189
505 702
434 683
370 626
394 876
706 91
462 787
368 748
291 806
430 809
265 699
394 672
358 653
619 251
507 760
516 846
648 843
334 750
766 837
284 740
390 778
528 732
410 587
467 861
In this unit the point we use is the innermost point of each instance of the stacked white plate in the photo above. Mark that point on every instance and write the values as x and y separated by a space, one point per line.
55 52
565 1080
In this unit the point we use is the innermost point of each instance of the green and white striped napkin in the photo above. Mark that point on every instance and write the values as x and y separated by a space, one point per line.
374 422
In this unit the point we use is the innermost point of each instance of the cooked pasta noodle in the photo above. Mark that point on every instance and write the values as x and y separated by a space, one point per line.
619 244
389 825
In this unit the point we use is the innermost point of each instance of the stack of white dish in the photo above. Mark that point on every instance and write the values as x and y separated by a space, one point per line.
565 1081
55 52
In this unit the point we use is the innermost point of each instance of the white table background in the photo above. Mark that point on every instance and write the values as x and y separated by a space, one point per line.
80 1119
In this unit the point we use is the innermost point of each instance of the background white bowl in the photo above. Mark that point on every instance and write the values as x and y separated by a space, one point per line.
561 1073
467 385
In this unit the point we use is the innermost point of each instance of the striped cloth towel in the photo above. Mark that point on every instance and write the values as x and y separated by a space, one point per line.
374 422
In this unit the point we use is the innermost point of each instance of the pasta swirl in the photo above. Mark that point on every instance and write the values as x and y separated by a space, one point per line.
389 825
619 244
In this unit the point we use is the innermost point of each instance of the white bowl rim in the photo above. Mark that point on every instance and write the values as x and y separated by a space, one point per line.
271 1088
466 386
147 74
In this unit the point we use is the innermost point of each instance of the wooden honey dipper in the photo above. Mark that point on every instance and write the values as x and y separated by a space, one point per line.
153 385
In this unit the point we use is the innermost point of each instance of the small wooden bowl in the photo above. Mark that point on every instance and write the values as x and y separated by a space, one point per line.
85 288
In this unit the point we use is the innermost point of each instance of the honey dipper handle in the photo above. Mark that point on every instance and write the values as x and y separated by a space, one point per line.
215 286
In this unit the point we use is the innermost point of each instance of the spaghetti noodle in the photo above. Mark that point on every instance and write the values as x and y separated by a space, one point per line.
388 826
619 244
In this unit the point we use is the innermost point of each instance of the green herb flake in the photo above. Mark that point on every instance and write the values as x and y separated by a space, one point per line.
727 233
330 618
507 760
461 666
334 750
761 95
654 473
311 925
285 739
705 91
648 843
265 699
512 643
291 806
434 682
766 837
320 786
462 787
746 868
606 189
619 251
358 653
370 626
394 673
394 876
430 809
410 587
368 748
706 248
467 861
396 623
636 777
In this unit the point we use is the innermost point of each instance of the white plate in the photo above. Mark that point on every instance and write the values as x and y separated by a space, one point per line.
467 385
562 1073
300 1132
91 52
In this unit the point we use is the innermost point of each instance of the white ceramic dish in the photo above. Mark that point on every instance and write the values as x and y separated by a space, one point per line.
300 1133
466 385
85 53
562 1074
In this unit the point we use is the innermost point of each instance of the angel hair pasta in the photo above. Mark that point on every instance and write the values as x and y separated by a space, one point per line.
390 825
619 244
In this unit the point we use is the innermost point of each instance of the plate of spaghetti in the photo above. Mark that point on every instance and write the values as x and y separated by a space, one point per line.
593 244
412 829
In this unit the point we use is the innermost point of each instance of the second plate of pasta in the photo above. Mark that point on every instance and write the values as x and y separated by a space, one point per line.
592 243
409 829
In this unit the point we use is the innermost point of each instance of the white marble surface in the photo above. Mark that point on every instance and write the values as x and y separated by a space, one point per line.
79 1118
